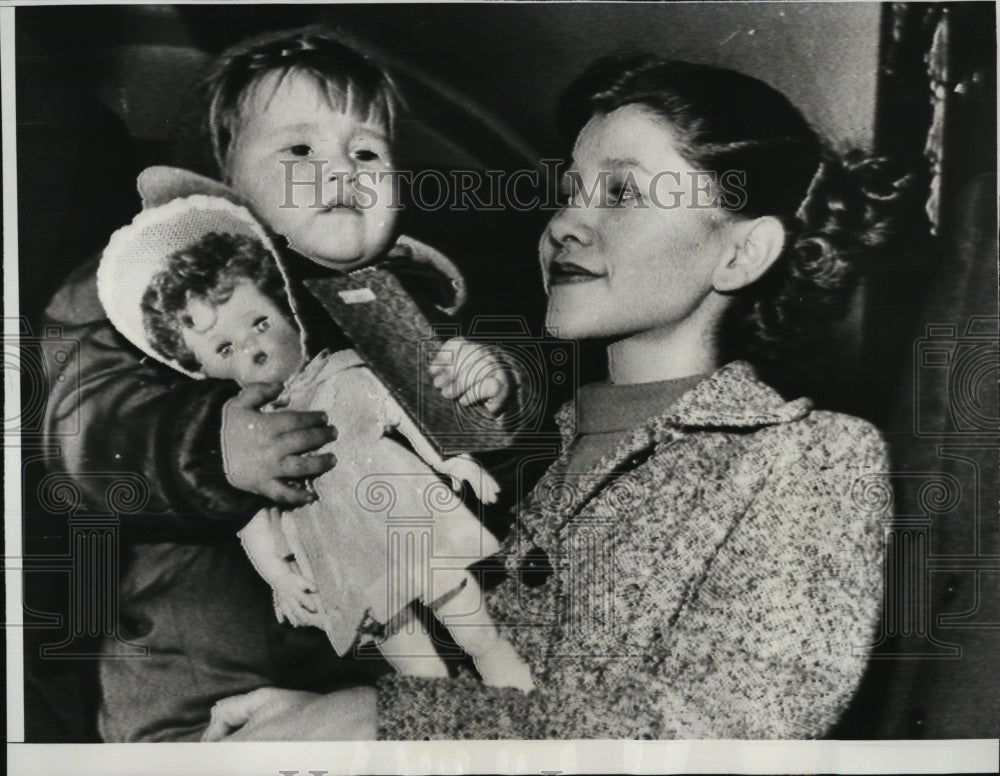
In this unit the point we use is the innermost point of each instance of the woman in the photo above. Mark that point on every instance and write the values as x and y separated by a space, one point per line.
697 563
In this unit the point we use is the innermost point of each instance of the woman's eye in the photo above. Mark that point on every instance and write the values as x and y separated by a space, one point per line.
620 193
300 149
225 350
262 324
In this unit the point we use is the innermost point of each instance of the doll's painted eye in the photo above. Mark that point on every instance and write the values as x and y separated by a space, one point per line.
225 350
262 324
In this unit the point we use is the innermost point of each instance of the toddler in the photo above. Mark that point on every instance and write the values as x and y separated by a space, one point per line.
281 109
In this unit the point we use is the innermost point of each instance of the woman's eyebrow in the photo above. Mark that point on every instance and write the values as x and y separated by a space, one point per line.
624 161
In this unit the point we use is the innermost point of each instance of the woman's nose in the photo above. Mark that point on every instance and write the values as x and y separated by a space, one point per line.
569 226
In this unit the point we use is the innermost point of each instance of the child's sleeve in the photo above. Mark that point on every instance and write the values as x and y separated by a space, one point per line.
110 411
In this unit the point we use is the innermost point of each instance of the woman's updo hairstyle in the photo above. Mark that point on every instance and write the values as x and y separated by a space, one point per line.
835 210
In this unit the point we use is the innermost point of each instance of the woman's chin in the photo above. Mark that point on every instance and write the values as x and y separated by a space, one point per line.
570 324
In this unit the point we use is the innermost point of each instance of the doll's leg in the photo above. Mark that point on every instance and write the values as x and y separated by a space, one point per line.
410 651
496 659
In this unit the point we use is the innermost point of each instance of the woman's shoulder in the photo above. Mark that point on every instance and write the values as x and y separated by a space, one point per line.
834 435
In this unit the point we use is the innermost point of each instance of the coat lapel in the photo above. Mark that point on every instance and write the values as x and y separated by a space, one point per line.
731 397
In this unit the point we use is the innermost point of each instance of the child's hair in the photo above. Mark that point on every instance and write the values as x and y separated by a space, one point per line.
209 271
350 80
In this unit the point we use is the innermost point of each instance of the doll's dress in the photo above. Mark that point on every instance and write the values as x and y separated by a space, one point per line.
383 518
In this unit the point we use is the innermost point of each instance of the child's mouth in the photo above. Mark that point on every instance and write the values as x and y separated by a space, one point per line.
563 272
340 209
337 206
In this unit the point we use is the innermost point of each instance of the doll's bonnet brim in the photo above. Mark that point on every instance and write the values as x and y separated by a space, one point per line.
179 208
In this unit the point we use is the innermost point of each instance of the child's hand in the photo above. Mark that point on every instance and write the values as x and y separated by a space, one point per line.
260 450
297 599
472 373
463 469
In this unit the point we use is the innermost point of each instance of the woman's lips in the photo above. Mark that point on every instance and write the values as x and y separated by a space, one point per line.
564 272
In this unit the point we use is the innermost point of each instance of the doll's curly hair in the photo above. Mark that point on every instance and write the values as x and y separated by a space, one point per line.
208 270
837 210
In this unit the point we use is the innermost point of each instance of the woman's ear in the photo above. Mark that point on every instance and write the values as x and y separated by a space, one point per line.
759 245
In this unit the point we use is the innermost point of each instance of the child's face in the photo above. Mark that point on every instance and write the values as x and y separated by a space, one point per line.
291 133
247 338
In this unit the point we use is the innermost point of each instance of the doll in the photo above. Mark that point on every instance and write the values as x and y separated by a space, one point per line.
383 529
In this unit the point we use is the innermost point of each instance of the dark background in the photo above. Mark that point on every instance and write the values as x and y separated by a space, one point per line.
104 91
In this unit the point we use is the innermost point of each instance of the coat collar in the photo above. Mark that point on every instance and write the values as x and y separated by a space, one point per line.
732 397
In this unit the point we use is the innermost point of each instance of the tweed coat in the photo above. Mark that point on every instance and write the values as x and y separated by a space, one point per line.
718 574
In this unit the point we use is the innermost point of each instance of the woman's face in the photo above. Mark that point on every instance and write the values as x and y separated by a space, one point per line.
640 259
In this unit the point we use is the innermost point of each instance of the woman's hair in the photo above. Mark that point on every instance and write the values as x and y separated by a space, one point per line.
835 210
208 270
350 80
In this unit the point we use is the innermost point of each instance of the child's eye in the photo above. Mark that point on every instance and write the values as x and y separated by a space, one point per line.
225 350
366 155
262 324
300 149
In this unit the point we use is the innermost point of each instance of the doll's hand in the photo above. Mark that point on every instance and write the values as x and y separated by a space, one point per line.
260 450
471 373
296 597
462 468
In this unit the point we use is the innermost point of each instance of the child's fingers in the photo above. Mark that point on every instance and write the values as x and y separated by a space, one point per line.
448 352
280 493
303 440
292 420
307 465
495 403
256 395
230 714
443 378
484 391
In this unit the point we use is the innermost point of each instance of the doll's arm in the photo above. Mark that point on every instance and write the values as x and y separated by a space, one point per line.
457 468
268 550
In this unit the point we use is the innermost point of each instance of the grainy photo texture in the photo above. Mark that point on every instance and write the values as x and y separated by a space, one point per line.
513 371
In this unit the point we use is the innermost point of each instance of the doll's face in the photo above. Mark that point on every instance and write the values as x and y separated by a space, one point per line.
247 338
316 173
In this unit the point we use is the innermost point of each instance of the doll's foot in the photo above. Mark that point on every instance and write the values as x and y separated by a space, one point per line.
503 667
424 667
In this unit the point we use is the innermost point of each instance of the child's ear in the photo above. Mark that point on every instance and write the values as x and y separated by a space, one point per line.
759 245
